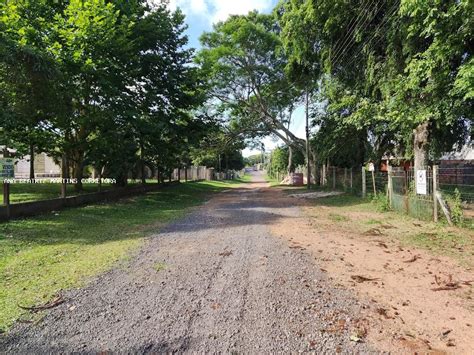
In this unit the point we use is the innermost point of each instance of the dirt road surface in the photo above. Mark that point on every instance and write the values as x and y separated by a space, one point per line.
257 271
214 281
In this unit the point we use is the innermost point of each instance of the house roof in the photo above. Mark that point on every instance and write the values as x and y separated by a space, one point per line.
10 150
466 153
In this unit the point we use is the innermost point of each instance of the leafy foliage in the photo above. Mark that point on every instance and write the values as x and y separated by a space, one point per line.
104 83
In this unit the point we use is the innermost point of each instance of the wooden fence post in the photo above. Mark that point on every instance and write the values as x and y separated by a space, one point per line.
390 185
324 175
6 197
364 186
435 189
333 177
345 178
351 178
373 183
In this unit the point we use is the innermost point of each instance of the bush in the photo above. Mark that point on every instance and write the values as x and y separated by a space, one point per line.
455 207
381 201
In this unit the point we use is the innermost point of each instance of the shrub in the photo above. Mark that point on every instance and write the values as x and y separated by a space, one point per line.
455 206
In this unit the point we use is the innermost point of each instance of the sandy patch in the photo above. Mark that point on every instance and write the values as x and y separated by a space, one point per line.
421 302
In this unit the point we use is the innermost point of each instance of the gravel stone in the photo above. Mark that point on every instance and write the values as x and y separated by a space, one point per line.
228 285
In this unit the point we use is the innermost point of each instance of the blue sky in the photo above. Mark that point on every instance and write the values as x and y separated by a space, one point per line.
202 14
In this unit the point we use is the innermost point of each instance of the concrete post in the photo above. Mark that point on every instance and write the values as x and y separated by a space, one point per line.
364 186
435 190
390 185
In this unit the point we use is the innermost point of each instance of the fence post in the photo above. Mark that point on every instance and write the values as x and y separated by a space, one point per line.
6 197
64 175
345 178
351 178
333 177
373 183
435 190
390 185
364 186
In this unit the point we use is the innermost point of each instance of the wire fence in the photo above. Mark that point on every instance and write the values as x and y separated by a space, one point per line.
403 193
452 188
460 178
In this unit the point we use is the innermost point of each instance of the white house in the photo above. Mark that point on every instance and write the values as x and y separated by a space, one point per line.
44 167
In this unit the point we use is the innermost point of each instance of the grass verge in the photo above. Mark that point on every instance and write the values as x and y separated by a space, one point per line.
35 192
245 178
43 255
272 181
348 213
20 192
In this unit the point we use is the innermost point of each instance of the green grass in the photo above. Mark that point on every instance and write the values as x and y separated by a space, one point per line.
35 192
159 267
43 255
245 179
272 181
337 217
439 238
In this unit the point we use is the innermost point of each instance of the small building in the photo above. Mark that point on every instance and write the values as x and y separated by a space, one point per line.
394 162
457 167
45 166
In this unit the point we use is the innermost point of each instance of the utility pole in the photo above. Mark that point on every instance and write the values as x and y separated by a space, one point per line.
307 140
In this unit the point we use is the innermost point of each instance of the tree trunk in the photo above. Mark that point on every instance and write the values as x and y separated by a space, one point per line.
420 146
32 162
314 166
63 176
308 155
100 179
290 160
79 170
142 164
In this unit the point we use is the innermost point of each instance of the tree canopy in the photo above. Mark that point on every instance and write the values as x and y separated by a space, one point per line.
107 84
111 84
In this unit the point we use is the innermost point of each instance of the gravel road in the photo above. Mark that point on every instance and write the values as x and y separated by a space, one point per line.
217 280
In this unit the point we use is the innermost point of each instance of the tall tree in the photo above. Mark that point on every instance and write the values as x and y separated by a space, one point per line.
244 62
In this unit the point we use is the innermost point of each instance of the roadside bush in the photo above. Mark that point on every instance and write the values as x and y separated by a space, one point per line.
455 207
381 201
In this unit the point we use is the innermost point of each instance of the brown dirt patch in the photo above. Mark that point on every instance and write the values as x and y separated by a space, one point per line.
409 313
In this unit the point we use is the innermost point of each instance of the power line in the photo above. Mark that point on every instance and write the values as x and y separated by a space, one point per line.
363 28
361 19
391 12
350 26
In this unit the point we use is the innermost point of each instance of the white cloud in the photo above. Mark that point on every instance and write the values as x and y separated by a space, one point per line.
195 7
220 10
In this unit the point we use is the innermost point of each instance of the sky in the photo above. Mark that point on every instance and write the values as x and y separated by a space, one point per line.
202 14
